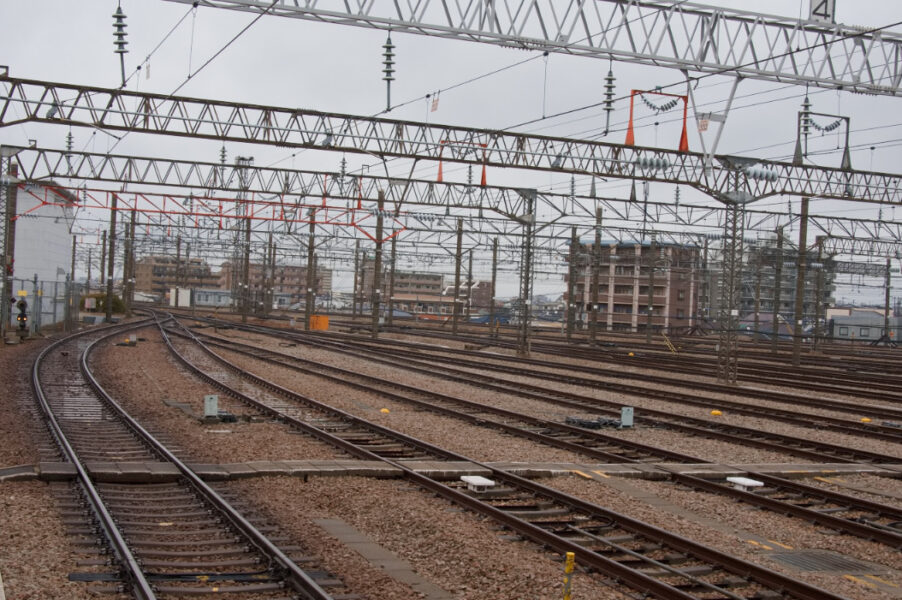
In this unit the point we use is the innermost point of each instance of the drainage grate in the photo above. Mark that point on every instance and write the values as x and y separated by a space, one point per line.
821 560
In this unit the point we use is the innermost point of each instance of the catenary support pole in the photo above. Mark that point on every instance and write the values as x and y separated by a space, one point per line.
801 267
376 300
111 253
310 276
455 307
596 267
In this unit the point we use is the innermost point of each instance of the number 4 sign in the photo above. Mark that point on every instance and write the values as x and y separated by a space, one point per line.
823 10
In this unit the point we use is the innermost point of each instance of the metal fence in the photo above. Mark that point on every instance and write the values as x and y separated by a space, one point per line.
49 303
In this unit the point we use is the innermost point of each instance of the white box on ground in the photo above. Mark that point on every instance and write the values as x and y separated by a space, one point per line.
211 405
477 483
626 416
744 483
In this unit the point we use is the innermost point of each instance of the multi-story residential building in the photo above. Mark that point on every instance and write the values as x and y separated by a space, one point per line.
762 262
284 280
157 274
626 273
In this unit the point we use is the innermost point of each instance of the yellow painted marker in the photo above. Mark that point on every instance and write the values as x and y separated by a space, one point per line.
881 580
568 574
784 546
861 581
603 474
581 474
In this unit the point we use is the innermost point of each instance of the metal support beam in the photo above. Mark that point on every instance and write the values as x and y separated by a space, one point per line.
778 287
571 282
492 324
111 253
596 267
376 298
125 110
728 314
310 284
754 45
801 264
455 306
529 222
391 283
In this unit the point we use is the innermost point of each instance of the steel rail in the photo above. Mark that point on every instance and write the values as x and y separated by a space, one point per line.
855 528
295 576
133 573
822 422
690 425
858 529
344 377
587 557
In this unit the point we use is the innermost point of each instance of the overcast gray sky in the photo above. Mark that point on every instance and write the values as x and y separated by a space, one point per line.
288 62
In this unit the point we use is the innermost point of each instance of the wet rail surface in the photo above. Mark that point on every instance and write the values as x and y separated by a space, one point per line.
175 539
648 559
869 520
867 372
417 359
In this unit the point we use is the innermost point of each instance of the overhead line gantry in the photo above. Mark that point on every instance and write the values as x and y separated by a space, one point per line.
687 36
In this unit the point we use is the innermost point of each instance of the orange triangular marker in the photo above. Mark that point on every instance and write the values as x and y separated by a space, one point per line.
630 138
684 137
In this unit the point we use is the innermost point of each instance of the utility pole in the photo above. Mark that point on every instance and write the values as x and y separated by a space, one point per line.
241 164
651 290
377 269
88 282
492 325
391 283
529 222
571 283
778 285
800 284
178 268
310 295
469 284
112 256
818 293
72 298
596 266
758 264
887 334
128 266
356 278
103 249
455 307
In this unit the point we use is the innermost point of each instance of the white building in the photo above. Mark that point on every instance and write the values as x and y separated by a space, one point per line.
42 251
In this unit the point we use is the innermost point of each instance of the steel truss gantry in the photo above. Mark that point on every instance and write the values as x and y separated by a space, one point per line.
728 179
419 206
679 35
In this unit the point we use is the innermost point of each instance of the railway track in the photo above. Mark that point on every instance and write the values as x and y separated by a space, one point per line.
413 361
846 376
175 539
858 410
650 560
882 422
869 520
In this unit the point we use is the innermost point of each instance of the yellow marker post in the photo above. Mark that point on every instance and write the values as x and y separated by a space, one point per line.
568 574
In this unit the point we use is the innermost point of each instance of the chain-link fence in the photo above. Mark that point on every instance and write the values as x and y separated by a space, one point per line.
47 304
